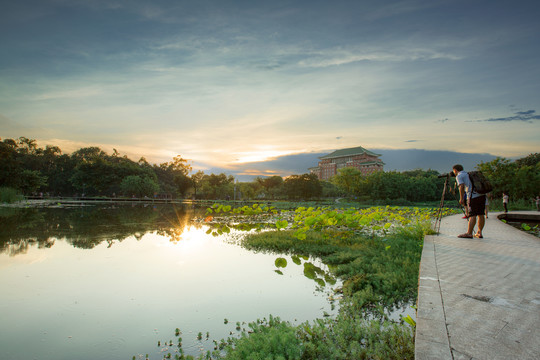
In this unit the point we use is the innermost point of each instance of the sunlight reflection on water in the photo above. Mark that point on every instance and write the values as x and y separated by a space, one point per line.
119 298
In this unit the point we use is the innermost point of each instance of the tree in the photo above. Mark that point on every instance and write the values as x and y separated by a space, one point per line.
173 176
500 172
59 174
165 178
183 184
88 154
423 185
304 186
139 186
180 165
526 182
424 189
97 173
9 164
196 181
350 180
520 179
529 160
330 190
271 184
387 185
415 185
30 181
217 186
249 190
27 146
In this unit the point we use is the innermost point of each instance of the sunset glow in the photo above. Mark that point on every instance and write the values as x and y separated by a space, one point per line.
235 83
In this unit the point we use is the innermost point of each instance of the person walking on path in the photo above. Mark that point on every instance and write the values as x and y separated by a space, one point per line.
476 202
537 203
505 202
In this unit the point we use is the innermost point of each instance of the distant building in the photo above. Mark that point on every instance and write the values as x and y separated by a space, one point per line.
359 158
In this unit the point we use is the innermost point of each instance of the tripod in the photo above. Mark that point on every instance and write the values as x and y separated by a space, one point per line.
438 217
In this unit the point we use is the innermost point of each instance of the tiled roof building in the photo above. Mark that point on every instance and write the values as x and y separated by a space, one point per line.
359 158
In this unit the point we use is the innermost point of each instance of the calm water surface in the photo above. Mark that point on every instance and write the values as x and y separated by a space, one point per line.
109 283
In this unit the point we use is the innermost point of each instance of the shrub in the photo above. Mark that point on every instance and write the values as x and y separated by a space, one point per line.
273 340
9 195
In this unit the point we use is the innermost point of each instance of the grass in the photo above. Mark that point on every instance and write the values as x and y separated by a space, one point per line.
513 205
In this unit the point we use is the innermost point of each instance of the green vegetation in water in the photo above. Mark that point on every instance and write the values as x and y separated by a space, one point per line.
342 338
533 229
375 252
371 221
375 271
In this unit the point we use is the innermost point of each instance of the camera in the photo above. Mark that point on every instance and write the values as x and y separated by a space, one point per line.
448 175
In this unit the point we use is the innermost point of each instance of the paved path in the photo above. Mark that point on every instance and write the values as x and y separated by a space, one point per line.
479 298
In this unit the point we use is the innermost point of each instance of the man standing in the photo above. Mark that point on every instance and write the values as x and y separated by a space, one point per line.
505 202
476 203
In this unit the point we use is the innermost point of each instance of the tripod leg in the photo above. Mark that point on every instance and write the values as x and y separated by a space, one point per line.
438 217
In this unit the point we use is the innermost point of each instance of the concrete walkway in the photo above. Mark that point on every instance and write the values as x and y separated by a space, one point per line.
479 298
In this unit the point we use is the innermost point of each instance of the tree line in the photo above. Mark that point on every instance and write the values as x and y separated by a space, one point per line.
90 171
520 179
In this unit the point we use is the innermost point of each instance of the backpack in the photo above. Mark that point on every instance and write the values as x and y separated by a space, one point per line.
480 184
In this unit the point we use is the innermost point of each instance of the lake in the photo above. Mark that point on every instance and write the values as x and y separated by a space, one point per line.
110 282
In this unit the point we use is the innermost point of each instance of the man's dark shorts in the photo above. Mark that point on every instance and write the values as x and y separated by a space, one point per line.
478 206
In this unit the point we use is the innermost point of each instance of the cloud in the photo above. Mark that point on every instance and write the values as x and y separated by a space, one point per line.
411 141
440 160
395 160
528 112
336 57
525 116
83 92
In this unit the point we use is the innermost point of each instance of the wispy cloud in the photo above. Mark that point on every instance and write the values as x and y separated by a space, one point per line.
223 83
336 57
524 116
75 93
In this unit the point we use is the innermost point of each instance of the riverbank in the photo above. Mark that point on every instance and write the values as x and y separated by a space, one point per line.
69 202
29 204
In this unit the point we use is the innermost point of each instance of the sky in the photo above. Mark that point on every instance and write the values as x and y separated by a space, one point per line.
241 86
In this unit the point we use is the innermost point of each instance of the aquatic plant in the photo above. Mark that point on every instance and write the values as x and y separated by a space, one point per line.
371 221
375 252
526 227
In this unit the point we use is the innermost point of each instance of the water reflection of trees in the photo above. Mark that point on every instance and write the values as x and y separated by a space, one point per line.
87 227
